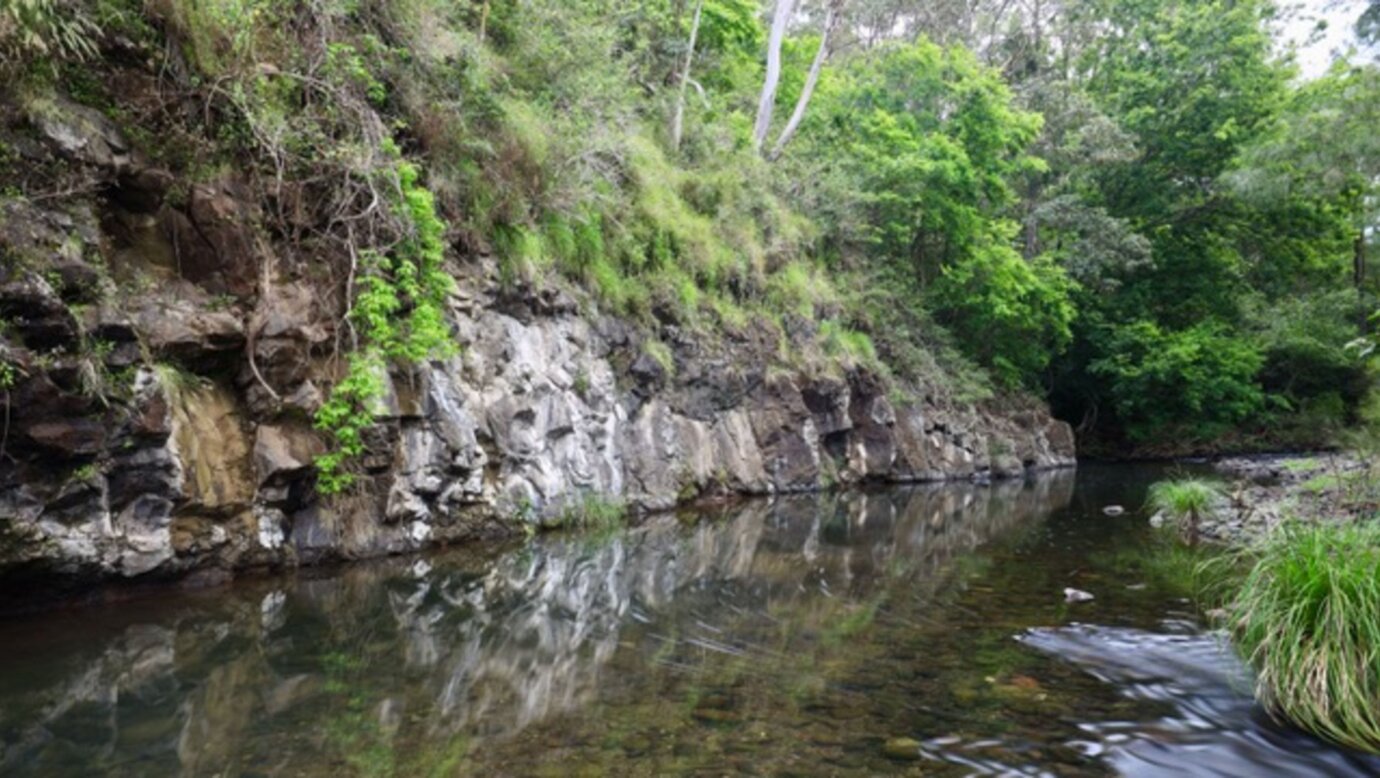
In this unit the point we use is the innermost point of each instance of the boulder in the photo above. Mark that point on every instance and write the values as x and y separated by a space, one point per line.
786 435
69 438
83 135
188 333
284 453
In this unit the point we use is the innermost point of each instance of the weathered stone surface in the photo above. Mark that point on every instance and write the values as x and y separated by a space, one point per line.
188 332
83 135
541 410
284 453
786 435
37 314
68 437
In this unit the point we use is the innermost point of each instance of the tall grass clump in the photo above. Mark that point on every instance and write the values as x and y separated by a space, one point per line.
1185 501
1307 617
593 512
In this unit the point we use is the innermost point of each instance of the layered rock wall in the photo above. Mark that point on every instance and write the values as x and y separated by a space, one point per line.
163 360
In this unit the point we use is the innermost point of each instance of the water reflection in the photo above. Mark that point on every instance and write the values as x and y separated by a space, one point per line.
866 633
455 651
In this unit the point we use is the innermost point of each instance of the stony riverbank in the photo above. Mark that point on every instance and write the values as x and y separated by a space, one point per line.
1263 492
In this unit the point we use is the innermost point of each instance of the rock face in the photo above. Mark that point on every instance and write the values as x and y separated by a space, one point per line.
161 365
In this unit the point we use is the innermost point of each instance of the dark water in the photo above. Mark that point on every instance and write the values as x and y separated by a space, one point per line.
803 636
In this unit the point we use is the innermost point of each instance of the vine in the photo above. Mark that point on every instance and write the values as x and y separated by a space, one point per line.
411 278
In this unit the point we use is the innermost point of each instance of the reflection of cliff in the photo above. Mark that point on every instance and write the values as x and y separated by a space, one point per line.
277 680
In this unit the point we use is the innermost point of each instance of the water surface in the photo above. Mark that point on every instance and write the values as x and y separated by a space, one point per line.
919 630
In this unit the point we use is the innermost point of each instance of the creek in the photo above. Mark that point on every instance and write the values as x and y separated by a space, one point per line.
903 630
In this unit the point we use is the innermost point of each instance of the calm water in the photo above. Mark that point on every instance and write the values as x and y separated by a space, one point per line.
804 636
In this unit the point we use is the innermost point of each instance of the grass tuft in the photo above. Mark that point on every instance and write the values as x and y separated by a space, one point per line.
1186 501
1307 618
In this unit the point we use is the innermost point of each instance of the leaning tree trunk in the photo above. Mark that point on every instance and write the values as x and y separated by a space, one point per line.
809 89
678 123
780 18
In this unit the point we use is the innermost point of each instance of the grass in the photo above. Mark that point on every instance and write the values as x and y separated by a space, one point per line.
593 512
1186 501
1307 618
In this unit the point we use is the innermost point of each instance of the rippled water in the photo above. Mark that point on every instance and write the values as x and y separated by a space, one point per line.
802 636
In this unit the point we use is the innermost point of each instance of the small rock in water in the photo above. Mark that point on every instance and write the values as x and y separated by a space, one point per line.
1076 595
1113 510
902 748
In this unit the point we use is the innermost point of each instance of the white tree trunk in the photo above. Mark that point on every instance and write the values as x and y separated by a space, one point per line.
781 17
808 90
678 123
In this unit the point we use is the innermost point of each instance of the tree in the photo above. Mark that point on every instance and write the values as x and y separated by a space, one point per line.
831 18
781 18
1325 145
678 123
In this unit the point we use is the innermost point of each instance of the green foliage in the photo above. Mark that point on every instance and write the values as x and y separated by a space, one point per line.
1096 216
1196 382
412 278
1307 618
1209 220
56 29
1185 501
593 512
1303 340
1014 315
851 346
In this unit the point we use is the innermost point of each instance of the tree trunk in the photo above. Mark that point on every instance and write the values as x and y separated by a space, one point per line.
678 123
781 17
813 78
1358 271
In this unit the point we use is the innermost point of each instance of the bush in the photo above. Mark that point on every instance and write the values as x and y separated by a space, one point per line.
1308 619
1201 380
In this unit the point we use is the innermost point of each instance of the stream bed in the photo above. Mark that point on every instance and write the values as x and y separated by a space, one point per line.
918 630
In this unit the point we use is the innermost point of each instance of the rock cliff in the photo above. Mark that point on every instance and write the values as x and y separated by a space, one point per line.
163 355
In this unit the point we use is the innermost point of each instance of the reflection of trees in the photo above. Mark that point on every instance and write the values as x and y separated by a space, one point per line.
420 651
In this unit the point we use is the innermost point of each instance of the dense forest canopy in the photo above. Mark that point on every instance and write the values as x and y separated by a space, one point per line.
1137 208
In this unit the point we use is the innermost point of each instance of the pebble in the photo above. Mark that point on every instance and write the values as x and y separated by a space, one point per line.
1076 595
1113 510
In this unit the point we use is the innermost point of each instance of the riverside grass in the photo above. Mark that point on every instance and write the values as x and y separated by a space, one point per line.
1186 501
1307 618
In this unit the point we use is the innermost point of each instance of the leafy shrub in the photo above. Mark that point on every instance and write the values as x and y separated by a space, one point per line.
1199 381
411 281
1307 618
1013 315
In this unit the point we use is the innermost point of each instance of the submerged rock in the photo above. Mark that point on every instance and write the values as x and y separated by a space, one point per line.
902 749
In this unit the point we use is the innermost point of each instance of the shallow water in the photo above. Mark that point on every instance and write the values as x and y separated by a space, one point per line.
801 636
